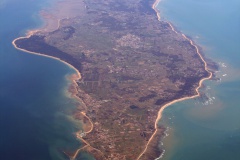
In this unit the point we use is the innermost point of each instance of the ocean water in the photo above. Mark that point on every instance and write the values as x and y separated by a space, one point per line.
209 127
35 111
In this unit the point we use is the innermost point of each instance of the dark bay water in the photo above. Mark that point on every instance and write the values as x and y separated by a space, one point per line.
35 111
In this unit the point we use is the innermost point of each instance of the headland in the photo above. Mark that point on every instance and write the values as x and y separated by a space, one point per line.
132 67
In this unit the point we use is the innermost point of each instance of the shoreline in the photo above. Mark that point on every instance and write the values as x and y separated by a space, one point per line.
76 76
73 78
40 54
154 7
181 99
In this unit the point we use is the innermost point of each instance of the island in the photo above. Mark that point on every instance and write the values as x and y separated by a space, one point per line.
130 65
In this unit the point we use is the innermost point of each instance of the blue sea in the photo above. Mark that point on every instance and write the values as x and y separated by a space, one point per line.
207 128
35 109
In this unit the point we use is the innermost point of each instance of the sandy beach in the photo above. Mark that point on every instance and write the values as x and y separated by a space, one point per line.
154 6
53 22
181 99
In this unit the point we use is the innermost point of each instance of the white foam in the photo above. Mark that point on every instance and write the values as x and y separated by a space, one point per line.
160 155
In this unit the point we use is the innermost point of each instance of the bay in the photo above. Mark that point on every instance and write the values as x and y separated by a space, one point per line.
35 109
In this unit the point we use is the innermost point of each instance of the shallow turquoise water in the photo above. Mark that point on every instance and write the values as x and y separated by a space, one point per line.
35 121
209 128
35 112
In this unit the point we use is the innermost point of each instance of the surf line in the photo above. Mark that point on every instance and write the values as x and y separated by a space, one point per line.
181 99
